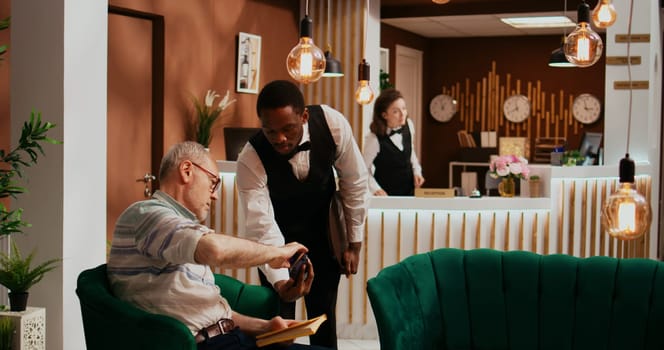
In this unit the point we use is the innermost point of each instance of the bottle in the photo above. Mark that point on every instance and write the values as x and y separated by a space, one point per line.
244 72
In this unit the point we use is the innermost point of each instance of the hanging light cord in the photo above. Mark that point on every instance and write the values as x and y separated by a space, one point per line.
629 74
364 45
328 22
565 15
306 8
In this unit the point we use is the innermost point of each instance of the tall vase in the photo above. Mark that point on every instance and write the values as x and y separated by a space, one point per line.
507 187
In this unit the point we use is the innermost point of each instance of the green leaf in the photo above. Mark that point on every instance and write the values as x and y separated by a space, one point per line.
16 272
12 163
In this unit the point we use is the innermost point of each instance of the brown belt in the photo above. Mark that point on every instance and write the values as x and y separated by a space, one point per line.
223 326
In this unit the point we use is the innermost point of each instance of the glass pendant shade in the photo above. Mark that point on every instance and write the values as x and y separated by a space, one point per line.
626 214
604 14
332 66
306 61
583 46
364 93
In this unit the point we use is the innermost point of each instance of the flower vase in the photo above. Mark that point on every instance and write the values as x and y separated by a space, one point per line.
507 187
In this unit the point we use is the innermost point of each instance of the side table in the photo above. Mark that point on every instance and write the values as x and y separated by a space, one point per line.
29 328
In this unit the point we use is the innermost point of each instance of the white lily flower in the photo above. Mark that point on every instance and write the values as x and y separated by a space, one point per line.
209 98
224 103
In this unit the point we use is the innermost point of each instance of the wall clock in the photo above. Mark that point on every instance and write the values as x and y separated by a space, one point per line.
586 108
443 107
516 108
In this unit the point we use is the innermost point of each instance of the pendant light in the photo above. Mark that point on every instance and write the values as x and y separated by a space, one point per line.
332 65
306 61
626 214
604 14
558 58
583 46
364 94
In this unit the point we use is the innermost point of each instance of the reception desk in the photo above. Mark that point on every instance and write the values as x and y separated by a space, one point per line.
566 220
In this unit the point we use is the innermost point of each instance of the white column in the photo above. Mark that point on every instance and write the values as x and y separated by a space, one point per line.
58 66
646 110
645 128
372 53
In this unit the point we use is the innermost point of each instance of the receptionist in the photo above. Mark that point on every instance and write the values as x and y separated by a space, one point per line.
388 148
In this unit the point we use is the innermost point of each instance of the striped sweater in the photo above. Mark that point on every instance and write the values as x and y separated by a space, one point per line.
151 263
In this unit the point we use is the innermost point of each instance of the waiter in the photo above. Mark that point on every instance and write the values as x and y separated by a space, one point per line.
286 182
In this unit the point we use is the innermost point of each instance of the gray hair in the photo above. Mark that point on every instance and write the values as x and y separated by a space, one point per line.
188 150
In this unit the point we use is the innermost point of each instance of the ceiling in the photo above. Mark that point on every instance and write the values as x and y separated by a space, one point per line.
473 18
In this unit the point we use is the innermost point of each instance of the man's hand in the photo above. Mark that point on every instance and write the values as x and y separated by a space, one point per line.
292 289
284 253
280 323
352 258
380 192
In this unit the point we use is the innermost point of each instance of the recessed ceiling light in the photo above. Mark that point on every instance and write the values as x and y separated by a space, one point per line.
539 22
441 1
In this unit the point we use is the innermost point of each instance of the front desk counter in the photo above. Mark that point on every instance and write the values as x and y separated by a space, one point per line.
565 220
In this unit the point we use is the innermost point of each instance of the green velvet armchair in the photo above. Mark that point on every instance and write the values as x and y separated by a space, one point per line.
110 323
487 299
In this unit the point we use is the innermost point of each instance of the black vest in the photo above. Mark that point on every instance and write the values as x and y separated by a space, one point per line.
301 208
393 169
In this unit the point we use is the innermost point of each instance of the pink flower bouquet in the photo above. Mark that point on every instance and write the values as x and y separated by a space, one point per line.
509 166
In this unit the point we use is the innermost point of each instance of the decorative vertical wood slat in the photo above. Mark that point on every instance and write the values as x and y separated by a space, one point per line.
584 216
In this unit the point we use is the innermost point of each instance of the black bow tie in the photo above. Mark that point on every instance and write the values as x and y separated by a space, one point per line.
305 146
396 131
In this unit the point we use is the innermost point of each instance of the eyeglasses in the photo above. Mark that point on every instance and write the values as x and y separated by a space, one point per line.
215 178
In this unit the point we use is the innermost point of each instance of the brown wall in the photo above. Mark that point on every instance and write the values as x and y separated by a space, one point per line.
448 61
391 36
201 51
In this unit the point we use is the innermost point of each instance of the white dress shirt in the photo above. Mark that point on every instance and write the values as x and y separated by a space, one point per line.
254 194
372 147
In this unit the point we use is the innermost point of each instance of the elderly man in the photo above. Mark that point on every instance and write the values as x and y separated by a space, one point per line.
161 255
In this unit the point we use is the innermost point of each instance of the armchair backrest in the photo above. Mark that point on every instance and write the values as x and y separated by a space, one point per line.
488 299
110 323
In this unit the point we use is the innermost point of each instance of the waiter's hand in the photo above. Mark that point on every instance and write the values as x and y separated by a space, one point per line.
418 180
292 289
352 258
380 192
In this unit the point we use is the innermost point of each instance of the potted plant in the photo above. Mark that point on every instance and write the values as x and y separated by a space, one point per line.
7 331
572 158
534 186
15 271
18 276
384 79
207 114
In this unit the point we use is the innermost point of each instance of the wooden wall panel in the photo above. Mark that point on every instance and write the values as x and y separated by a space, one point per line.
463 64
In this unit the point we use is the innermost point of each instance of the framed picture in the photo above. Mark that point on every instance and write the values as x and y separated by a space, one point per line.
248 63
518 146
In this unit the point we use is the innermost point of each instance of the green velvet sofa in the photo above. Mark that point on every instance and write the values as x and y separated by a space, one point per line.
110 323
487 299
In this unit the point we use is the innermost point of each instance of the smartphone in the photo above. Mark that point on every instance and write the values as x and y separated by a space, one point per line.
297 261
